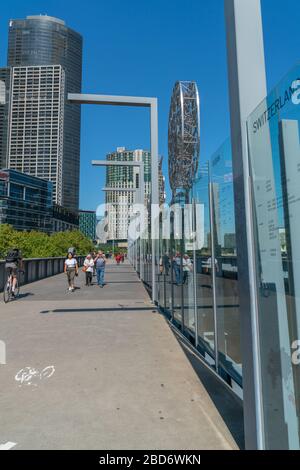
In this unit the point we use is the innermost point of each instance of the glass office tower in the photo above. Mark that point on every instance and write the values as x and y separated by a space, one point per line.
43 41
25 201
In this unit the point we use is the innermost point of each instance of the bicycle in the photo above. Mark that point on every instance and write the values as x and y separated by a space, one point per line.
8 293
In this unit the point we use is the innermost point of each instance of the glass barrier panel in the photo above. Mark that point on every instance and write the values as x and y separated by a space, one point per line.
226 282
176 262
274 153
205 312
188 270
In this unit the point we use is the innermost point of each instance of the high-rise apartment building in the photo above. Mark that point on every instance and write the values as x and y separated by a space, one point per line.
45 58
35 144
87 223
5 74
121 185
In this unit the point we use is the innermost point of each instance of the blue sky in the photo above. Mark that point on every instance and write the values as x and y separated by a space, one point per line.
141 48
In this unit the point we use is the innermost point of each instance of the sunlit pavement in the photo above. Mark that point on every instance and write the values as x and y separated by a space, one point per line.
115 377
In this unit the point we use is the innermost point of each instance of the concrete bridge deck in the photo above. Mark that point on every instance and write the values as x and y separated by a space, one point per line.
121 380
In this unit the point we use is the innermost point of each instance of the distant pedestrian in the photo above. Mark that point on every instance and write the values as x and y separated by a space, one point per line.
100 262
94 254
71 270
88 267
122 258
177 268
187 267
118 258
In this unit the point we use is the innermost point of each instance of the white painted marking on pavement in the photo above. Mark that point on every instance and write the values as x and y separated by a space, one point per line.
7 446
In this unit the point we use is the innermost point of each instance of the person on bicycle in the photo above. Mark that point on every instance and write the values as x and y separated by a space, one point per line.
13 263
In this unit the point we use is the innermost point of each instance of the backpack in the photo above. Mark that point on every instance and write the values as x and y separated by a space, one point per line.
13 256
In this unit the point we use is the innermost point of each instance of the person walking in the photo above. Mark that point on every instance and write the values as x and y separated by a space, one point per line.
177 268
187 267
71 270
166 263
100 262
88 267
94 254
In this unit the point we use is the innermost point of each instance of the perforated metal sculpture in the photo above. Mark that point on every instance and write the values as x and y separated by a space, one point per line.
183 137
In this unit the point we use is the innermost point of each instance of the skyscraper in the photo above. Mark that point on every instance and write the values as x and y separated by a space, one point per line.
45 57
87 223
121 185
4 103
36 124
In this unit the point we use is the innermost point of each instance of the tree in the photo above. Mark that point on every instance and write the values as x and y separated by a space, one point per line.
36 244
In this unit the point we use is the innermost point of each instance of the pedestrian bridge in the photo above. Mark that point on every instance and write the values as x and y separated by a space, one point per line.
107 372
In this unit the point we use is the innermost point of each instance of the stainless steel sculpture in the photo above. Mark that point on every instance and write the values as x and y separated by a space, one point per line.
183 136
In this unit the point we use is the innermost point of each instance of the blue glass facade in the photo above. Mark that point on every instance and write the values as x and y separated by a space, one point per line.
25 201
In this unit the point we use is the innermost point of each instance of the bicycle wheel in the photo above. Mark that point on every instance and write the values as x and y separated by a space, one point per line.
17 288
7 292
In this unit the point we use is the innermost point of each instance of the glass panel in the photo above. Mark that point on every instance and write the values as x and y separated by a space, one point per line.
164 270
273 133
188 270
167 274
176 250
3 188
16 191
206 329
227 300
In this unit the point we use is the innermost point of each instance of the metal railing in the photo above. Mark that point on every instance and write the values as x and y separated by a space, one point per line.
38 268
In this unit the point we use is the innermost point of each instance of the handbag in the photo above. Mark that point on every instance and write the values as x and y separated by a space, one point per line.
84 269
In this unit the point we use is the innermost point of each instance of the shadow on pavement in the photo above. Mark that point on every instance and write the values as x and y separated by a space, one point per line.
123 282
228 405
95 310
24 295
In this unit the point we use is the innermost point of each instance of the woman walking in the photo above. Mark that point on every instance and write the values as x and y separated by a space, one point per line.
71 269
88 269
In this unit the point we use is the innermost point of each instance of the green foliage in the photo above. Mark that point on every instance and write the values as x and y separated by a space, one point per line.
109 248
40 245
